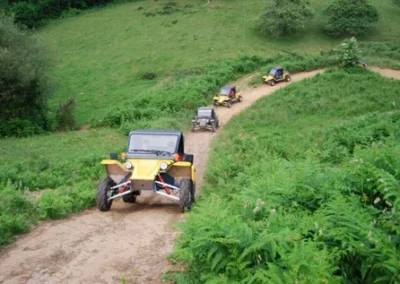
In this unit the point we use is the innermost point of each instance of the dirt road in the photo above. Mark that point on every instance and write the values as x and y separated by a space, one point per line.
129 242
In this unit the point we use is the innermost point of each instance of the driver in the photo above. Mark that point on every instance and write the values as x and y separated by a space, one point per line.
232 93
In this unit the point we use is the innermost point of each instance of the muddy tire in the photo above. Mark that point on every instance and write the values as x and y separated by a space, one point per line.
216 103
129 198
271 83
193 128
213 127
240 99
288 79
103 193
185 194
229 104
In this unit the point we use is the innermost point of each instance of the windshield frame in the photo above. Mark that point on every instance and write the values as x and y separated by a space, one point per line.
204 113
155 140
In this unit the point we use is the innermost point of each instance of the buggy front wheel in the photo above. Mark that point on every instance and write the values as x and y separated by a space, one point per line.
213 127
185 194
288 79
271 82
104 192
229 104
240 99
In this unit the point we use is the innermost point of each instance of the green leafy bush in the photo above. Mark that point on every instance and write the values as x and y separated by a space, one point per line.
348 52
284 17
350 17
24 80
17 213
65 117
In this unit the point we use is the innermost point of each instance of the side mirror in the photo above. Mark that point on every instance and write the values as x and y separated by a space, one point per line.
188 158
114 156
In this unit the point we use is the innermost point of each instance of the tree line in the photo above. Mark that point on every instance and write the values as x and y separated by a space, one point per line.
342 17
34 13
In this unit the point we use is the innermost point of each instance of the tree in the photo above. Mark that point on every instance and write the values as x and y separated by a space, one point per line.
24 79
284 17
348 52
351 17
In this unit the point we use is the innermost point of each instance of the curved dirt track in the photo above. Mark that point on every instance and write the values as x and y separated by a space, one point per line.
129 242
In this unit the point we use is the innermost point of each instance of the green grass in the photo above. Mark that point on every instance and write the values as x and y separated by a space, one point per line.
65 165
302 187
102 54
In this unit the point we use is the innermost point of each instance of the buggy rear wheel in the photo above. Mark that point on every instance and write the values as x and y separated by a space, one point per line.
129 198
104 192
185 194
193 128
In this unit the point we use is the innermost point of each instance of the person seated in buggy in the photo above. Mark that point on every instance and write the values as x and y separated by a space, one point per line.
232 93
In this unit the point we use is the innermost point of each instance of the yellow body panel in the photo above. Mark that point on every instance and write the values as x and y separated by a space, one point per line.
222 99
270 77
147 169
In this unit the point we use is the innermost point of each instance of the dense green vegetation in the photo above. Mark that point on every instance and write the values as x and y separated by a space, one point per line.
65 166
34 13
24 80
351 17
304 187
284 17
102 64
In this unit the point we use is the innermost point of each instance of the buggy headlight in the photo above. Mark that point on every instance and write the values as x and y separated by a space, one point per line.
163 166
128 165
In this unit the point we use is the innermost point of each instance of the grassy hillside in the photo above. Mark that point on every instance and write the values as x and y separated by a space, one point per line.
103 53
303 187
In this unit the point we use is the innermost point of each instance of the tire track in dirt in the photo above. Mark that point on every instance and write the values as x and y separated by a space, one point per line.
132 241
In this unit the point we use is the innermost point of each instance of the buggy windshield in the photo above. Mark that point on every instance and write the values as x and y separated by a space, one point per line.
204 113
153 143
225 91
273 72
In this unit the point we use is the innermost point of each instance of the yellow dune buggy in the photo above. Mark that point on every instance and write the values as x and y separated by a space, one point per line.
277 74
155 160
227 95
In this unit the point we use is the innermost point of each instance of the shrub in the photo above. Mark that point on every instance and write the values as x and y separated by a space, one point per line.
350 17
348 52
24 80
284 17
149 76
27 13
17 213
19 128
64 117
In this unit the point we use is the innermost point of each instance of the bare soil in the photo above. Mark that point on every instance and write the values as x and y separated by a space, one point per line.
130 242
